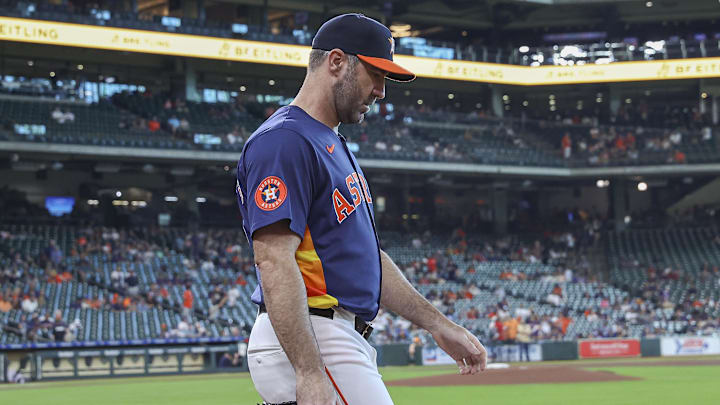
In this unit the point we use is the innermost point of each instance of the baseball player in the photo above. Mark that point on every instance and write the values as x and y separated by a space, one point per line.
308 216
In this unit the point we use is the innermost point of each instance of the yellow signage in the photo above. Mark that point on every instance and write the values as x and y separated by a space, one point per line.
120 39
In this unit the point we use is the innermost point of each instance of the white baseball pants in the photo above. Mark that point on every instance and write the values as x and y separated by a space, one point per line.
351 360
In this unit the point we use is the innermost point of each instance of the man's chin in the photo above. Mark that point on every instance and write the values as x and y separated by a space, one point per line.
354 119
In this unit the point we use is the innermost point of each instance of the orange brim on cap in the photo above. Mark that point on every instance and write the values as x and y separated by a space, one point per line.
395 71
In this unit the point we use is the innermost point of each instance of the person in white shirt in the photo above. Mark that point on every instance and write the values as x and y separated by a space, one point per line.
58 115
29 304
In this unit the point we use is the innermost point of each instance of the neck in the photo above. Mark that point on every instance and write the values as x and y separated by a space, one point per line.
314 98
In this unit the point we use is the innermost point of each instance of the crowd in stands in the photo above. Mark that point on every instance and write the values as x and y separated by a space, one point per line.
448 274
634 135
24 275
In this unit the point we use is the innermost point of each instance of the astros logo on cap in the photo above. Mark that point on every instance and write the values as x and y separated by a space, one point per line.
270 194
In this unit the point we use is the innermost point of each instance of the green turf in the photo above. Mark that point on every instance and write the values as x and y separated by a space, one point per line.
660 385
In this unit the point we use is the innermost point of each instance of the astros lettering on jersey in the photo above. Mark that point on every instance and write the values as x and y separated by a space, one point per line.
294 167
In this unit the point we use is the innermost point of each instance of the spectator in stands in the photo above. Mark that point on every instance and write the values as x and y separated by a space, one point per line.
566 145
58 115
69 116
5 305
54 252
184 125
510 329
132 284
523 337
173 123
678 157
117 278
153 124
230 360
59 327
30 303
187 301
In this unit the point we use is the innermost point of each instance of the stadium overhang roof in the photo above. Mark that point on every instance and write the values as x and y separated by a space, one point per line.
51 151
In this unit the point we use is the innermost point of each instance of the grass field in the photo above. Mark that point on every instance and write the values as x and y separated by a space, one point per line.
660 385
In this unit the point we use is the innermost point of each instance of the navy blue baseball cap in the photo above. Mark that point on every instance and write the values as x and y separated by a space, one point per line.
365 38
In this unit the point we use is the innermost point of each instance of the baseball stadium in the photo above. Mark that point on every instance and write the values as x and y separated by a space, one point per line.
337 202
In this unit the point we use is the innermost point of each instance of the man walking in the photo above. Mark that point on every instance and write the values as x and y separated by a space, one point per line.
308 215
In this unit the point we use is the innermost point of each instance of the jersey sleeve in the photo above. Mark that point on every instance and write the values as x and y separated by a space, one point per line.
280 168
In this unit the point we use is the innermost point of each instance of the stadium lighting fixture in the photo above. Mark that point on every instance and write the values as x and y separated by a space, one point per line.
598 100
80 67
704 95
603 183
52 74
628 219
243 88
452 96
642 186
226 168
30 63
419 101
141 204
122 203
200 199
171 198
525 103
524 49
93 202
649 4
118 194
271 82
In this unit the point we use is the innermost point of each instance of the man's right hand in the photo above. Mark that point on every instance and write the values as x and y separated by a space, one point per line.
316 389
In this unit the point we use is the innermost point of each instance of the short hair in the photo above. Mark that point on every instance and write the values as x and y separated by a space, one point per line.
318 56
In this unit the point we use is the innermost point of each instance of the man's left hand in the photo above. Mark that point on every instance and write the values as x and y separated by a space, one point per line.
467 351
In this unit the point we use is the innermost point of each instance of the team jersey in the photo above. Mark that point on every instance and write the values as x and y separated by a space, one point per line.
296 168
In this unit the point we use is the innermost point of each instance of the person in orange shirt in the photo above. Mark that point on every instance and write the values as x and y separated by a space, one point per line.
510 327
679 157
187 301
564 322
5 306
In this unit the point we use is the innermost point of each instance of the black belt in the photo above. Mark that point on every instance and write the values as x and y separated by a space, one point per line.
361 327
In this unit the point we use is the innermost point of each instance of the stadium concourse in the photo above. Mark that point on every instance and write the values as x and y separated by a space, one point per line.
635 136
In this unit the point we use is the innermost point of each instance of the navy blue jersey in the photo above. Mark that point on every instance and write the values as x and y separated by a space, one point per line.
296 168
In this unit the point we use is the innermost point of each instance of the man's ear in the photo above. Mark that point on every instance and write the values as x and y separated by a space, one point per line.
336 62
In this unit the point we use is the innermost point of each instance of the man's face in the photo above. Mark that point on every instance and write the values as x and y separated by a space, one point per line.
358 89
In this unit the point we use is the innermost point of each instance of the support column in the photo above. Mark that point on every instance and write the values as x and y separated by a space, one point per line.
496 101
619 202
406 200
615 100
500 210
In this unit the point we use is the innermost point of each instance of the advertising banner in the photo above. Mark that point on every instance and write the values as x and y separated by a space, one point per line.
604 348
195 46
503 353
689 346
